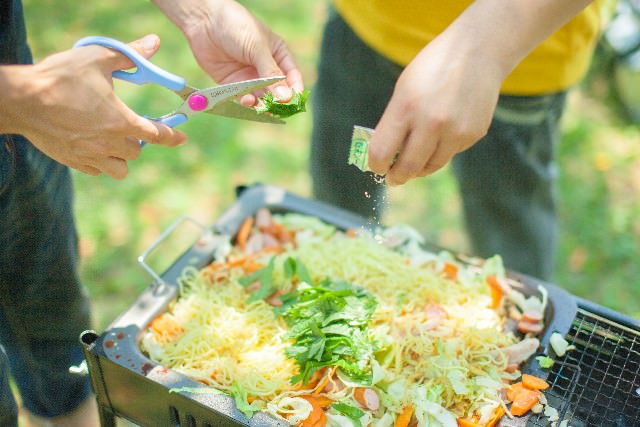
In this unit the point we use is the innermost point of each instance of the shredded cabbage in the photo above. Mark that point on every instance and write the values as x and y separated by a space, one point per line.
559 344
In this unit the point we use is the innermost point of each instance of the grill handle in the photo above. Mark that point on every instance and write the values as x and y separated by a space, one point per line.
158 282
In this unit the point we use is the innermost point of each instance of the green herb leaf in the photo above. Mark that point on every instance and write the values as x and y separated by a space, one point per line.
265 277
349 411
328 323
293 267
289 267
297 104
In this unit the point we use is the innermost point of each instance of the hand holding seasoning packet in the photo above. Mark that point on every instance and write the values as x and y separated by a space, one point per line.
359 150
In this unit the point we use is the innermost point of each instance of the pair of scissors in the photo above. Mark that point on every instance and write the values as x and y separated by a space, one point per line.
217 100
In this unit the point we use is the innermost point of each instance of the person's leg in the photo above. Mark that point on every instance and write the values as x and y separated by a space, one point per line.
354 85
8 408
43 307
507 182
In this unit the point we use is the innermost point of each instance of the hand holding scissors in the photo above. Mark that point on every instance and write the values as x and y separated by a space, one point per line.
218 100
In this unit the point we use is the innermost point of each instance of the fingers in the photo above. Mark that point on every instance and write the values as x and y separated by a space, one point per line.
265 63
89 170
128 148
157 134
148 130
248 100
387 140
289 68
112 166
279 62
168 137
145 46
437 161
403 148
283 91
417 150
112 158
115 168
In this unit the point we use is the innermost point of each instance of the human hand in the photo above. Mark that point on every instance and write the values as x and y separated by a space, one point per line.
72 114
230 44
444 100
442 104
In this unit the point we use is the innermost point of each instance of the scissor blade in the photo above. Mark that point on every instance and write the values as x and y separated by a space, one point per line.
222 93
237 111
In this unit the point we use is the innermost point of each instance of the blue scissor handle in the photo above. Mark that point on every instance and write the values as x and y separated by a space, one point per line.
146 72
173 120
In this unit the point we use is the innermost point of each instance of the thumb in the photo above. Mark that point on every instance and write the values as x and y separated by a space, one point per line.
145 46
266 66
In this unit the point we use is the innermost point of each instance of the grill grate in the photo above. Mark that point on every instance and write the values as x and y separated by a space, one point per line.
598 381
563 382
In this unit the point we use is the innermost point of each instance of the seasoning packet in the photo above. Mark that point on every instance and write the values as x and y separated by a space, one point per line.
359 151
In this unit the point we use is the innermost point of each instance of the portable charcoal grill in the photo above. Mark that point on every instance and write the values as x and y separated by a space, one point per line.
596 384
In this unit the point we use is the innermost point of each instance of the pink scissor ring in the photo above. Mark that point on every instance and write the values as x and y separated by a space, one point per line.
198 102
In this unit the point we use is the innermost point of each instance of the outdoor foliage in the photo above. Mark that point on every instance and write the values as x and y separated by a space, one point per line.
599 161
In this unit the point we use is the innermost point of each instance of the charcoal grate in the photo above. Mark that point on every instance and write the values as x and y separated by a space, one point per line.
563 381
605 387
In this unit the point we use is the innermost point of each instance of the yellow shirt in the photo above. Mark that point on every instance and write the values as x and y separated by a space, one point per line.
400 29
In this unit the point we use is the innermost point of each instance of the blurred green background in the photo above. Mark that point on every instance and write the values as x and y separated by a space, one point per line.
599 161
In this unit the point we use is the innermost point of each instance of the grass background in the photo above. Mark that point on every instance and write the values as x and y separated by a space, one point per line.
599 160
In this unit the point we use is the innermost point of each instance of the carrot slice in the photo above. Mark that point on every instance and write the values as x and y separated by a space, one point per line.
317 417
497 414
324 401
404 418
524 401
496 298
450 270
496 291
316 377
166 325
244 231
514 390
280 233
325 380
466 422
473 421
238 262
534 383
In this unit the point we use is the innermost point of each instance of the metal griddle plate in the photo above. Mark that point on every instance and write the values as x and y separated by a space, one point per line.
130 385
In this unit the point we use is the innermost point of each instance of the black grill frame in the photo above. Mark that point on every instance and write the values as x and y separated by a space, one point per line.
129 385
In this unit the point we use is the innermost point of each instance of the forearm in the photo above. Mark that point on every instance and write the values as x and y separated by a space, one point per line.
16 87
505 32
186 13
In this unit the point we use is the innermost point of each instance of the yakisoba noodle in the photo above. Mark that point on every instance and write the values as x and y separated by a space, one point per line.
224 339
440 346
